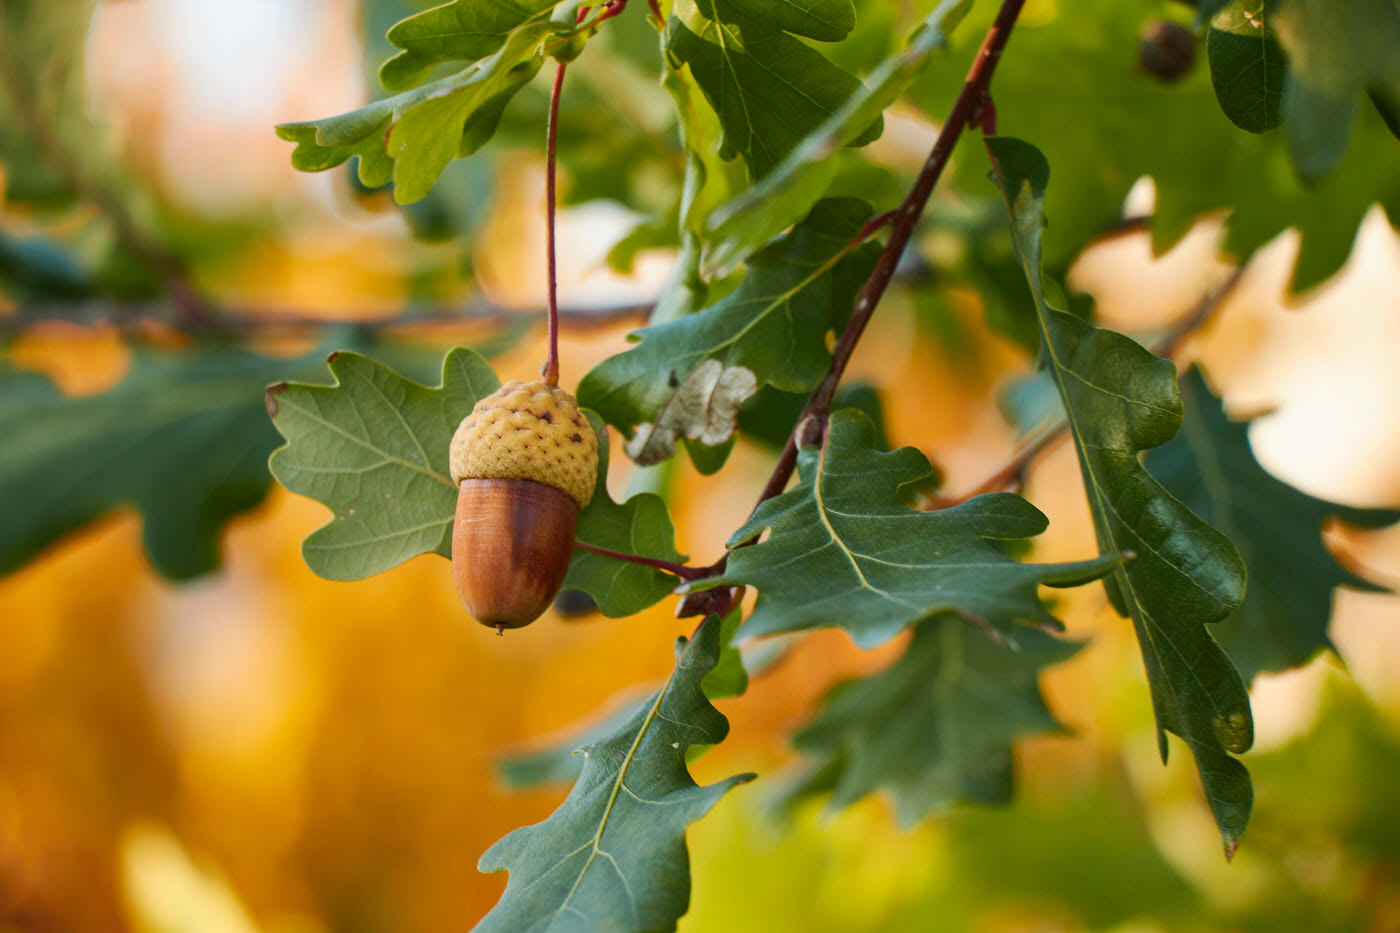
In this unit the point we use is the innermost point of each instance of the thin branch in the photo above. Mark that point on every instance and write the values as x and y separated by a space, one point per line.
972 107
971 104
551 366
680 570
138 316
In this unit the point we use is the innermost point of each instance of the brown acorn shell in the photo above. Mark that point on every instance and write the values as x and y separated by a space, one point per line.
511 544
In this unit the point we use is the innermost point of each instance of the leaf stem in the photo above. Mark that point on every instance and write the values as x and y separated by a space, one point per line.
680 570
551 366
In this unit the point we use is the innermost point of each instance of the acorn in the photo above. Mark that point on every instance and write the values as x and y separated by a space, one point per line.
525 462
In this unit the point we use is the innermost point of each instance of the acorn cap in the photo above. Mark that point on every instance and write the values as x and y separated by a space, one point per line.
531 431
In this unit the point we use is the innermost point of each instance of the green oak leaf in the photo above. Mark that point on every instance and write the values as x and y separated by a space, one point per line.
774 324
460 31
372 448
182 438
613 855
768 87
1120 400
1127 124
410 138
641 525
842 549
1247 66
786 194
934 728
1278 529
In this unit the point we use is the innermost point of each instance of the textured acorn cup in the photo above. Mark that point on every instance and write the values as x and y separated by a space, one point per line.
525 461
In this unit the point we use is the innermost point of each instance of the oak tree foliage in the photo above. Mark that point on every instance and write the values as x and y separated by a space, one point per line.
745 137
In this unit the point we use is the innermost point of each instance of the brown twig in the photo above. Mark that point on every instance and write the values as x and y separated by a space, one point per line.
972 102
137 316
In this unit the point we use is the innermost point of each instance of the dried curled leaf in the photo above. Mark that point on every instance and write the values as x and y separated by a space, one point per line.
705 407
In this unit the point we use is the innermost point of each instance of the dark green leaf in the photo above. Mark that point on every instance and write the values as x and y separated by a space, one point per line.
373 449
641 525
935 728
769 89
1120 400
182 438
1337 50
774 324
843 549
1210 467
613 856
1247 66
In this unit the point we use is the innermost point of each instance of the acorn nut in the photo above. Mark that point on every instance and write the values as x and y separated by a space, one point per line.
525 462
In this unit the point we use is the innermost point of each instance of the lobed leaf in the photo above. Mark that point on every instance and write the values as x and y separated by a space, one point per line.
1120 400
410 138
641 525
936 727
842 549
1210 467
774 324
613 855
372 447
182 439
